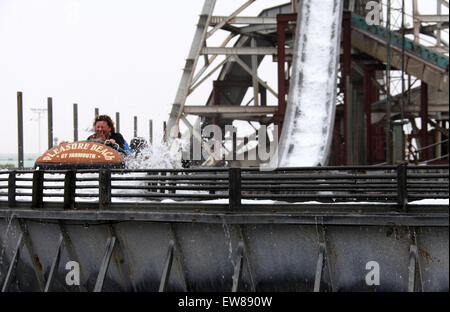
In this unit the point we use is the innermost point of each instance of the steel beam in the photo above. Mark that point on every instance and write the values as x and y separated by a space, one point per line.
167 268
34 258
230 109
122 261
189 69
247 20
55 265
432 18
243 51
242 217
246 251
70 251
179 258
346 78
283 21
424 119
12 264
319 267
105 264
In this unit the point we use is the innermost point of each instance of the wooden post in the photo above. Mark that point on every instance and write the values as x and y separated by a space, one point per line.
75 122
424 119
37 200
117 122
50 122
234 188
150 125
165 131
20 128
402 187
346 80
12 189
162 183
135 126
69 189
104 192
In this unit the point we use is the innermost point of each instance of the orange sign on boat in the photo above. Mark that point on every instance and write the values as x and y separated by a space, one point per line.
85 152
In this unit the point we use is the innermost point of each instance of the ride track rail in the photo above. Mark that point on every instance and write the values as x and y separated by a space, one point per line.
314 233
336 195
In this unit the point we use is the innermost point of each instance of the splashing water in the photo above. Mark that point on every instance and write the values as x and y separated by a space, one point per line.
157 156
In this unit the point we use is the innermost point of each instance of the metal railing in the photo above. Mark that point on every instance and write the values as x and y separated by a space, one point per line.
386 184
416 153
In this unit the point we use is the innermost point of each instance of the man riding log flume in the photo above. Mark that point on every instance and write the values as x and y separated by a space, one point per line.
104 129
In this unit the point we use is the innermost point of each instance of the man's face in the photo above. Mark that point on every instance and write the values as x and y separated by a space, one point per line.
103 128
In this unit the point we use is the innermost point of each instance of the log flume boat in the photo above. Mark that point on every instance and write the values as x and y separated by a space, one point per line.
81 155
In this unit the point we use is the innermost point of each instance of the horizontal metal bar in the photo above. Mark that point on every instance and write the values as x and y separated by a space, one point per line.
427 18
187 170
53 179
86 194
53 195
427 176
316 176
319 196
322 186
173 177
169 187
86 179
348 182
250 20
230 109
23 194
87 186
422 196
53 187
171 195
252 169
243 51
410 219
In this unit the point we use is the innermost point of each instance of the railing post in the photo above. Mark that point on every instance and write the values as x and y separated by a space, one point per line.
12 189
50 122
161 183
234 188
37 200
69 189
104 191
173 191
402 190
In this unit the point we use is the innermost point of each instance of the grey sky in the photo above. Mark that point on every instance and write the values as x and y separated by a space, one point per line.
120 56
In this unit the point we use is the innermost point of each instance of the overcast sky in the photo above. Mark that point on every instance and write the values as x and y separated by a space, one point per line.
120 56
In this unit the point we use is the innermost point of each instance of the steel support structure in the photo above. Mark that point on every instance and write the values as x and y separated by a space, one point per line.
371 95
346 74
424 119
257 38
284 24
